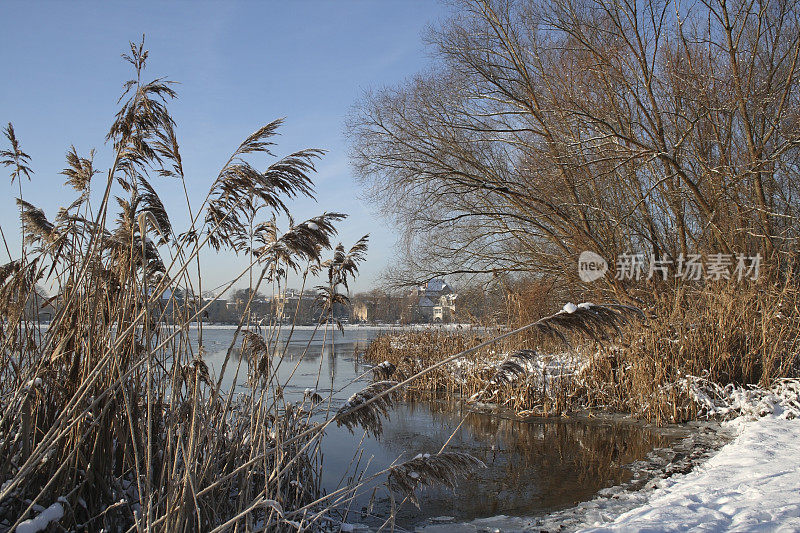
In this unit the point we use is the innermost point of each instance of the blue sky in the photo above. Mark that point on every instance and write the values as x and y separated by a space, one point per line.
240 65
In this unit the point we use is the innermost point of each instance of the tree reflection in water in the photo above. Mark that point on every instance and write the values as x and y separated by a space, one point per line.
532 467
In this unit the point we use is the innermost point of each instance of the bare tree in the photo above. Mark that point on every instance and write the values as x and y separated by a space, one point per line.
549 128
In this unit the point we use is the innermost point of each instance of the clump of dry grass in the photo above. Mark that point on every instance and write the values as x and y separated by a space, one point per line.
725 332
116 417
411 352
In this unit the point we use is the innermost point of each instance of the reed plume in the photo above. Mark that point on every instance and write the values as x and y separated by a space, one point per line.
79 170
596 322
15 158
367 407
425 470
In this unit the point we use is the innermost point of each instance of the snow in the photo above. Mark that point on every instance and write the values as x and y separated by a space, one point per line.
570 307
782 399
753 483
436 285
386 365
39 523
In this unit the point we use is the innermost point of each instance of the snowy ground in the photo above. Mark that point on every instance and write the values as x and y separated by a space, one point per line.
751 484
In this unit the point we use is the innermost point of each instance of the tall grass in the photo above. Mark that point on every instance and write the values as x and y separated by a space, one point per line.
111 416
724 332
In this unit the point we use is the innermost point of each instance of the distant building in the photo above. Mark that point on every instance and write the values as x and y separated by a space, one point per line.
435 301
446 308
363 311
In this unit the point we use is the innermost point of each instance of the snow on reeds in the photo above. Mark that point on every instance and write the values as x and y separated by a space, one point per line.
781 399
528 381
743 335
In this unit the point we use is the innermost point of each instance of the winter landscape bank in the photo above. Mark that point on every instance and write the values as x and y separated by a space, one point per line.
752 484
638 157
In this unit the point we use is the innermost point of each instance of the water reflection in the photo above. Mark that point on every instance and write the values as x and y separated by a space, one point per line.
532 467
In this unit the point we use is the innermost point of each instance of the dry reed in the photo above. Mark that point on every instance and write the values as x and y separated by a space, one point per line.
725 332
110 410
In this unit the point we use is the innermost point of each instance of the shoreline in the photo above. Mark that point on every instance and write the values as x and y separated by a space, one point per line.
690 477
739 474
704 441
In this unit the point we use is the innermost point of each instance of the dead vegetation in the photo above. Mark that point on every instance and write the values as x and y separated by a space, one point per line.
723 332
110 412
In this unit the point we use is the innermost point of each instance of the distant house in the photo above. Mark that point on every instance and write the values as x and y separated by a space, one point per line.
446 309
435 301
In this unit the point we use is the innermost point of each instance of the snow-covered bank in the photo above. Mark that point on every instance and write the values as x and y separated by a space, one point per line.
752 484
